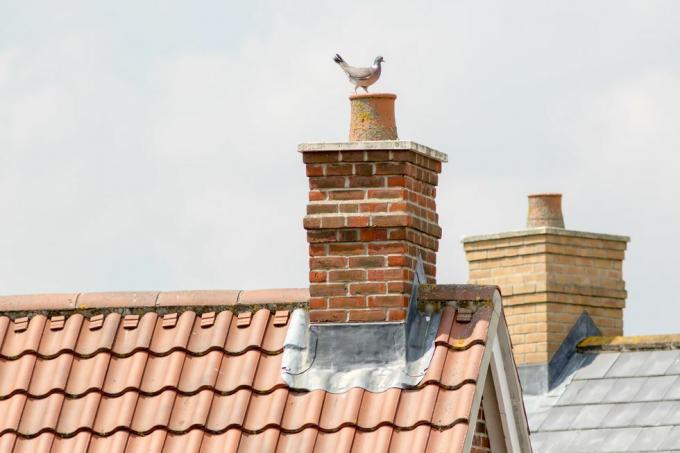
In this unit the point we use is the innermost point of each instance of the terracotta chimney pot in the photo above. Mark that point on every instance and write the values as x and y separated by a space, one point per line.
372 117
545 210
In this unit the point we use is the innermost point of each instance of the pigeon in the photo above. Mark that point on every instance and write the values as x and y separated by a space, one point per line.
361 77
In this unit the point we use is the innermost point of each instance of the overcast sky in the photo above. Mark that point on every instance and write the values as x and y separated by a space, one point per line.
152 145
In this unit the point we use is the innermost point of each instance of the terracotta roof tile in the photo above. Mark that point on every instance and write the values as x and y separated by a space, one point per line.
186 385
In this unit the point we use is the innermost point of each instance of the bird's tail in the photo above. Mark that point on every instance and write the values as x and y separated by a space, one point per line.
338 59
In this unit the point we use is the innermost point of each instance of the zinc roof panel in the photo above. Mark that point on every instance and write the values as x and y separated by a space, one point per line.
654 388
560 418
655 413
599 366
628 364
649 439
673 392
620 439
659 362
593 391
672 440
591 416
623 415
588 441
624 390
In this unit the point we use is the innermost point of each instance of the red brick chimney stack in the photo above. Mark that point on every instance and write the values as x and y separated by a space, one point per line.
371 214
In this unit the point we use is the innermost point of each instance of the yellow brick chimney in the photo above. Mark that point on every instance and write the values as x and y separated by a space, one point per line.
550 277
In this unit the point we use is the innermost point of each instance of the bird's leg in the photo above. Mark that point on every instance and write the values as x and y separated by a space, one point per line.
365 89
355 88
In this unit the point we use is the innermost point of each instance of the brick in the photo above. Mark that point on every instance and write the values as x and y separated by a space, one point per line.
347 249
321 157
386 193
396 314
367 261
396 181
317 276
348 235
347 302
353 156
387 274
388 301
316 195
367 288
374 234
373 207
314 170
367 181
387 248
363 169
327 315
358 221
327 262
347 195
367 315
326 208
397 260
318 303
339 169
327 289
346 275
317 249
327 182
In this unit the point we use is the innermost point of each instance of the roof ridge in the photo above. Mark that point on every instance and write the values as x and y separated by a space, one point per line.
624 343
148 300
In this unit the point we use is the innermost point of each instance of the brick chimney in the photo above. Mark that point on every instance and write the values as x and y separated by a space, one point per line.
371 216
549 278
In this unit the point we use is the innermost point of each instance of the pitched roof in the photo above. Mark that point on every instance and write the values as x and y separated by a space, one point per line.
618 394
201 371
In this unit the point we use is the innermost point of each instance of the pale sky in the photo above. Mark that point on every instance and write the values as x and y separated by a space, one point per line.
152 145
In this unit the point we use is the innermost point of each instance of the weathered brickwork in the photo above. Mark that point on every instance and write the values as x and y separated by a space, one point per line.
370 215
481 442
548 278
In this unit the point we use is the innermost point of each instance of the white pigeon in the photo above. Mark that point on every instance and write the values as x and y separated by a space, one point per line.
361 77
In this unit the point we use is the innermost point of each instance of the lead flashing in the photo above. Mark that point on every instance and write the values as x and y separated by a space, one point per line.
376 145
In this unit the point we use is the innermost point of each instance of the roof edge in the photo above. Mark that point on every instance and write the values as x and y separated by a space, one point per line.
629 343
153 300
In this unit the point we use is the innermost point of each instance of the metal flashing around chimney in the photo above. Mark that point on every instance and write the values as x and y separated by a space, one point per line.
374 356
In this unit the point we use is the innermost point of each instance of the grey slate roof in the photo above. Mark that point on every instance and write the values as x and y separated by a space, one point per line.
626 401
